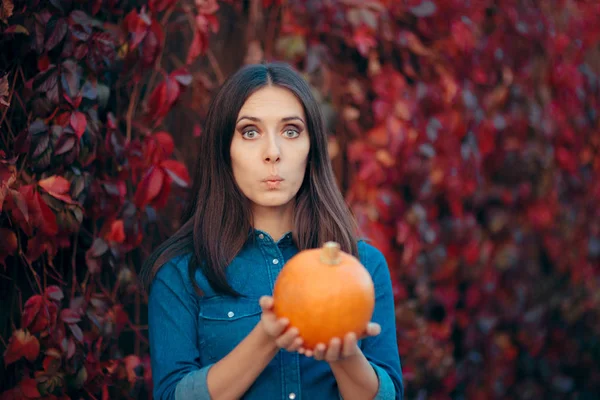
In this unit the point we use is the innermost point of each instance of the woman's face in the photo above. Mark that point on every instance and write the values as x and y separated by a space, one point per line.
270 145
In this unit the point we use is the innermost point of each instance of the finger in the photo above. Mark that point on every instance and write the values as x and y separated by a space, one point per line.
319 352
333 351
287 338
274 327
280 326
266 302
373 329
308 353
296 344
302 350
350 345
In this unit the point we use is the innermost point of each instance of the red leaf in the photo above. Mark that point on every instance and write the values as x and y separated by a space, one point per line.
16 29
566 159
21 344
149 187
76 330
99 247
79 123
269 3
137 26
55 293
55 184
69 316
93 255
40 244
132 362
65 144
162 98
22 205
29 388
81 50
117 232
173 90
472 297
152 44
487 138
8 244
31 310
161 5
58 187
198 47
363 40
19 204
59 32
471 252
197 130
71 348
43 63
52 361
119 316
165 147
47 222
177 171
160 201
182 75
424 9
207 22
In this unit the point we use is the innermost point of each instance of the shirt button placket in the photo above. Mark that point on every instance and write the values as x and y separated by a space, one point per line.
289 362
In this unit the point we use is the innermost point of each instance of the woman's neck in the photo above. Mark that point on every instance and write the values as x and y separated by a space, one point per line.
276 221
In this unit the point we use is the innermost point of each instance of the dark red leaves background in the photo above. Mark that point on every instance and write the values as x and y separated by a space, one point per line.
465 136
88 170
470 131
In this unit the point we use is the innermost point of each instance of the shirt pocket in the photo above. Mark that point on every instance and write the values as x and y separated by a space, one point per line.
223 323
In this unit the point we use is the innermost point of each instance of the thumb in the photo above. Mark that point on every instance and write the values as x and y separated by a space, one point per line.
373 329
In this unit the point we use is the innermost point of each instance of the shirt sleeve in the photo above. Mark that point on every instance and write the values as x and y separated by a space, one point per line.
172 322
382 350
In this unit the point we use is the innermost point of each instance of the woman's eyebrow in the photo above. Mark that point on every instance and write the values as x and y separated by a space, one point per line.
285 119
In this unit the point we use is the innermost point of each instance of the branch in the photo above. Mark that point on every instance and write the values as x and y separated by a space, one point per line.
130 110
215 65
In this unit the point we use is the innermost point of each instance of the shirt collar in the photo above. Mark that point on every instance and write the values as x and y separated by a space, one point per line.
259 235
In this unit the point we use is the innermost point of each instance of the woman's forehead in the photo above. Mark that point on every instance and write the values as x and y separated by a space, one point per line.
272 103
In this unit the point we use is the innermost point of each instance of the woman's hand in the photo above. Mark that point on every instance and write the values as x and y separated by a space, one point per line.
277 328
339 349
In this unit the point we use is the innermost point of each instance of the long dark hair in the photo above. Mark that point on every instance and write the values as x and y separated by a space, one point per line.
217 219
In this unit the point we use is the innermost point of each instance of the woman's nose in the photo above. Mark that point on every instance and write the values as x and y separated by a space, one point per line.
272 152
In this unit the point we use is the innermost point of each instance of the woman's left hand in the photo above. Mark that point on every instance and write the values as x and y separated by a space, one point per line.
339 349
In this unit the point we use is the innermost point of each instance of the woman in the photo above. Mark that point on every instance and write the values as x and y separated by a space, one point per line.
264 189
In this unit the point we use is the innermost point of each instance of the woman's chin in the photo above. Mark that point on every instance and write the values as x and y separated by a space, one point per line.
272 199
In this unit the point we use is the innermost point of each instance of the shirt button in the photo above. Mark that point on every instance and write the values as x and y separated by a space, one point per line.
276 261
230 314
261 236
292 396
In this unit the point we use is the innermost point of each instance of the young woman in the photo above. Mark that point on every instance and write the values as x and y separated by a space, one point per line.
264 190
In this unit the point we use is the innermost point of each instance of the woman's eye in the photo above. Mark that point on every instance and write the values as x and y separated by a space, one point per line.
291 133
251 134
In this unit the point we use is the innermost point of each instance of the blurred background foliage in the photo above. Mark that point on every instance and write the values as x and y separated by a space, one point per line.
464 134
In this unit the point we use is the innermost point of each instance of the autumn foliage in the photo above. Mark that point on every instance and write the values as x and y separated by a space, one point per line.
84 163
465 135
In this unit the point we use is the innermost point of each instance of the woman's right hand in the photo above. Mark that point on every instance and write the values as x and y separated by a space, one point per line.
277 328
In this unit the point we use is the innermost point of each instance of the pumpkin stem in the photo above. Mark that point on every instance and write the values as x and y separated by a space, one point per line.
330 253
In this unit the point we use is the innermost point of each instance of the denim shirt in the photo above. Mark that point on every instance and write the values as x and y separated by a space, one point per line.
188 334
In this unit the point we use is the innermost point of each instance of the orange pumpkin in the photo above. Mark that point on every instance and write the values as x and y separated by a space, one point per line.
325 293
